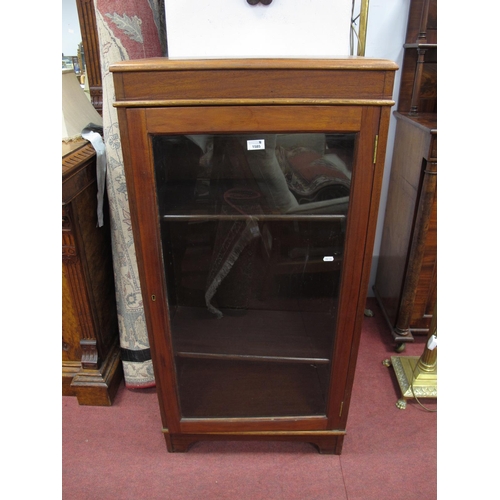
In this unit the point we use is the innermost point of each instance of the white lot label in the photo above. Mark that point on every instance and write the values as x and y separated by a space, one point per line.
256 144
328 258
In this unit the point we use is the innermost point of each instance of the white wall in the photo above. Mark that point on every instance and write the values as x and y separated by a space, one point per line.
234 28
386 32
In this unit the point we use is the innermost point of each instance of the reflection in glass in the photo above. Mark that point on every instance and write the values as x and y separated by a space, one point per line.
253 230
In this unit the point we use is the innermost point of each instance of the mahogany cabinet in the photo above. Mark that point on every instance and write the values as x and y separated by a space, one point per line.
406 281
91 365
254 188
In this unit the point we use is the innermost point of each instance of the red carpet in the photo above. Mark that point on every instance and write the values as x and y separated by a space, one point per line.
118 452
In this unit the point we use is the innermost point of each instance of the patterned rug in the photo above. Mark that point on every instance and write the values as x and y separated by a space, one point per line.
127 29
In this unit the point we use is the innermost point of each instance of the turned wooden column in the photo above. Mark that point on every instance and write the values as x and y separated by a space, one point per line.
422 34
90 40
417 82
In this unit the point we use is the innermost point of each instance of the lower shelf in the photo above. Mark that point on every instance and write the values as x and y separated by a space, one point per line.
301 336
237 389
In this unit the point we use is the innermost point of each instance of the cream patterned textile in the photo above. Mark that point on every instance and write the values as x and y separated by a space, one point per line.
127 29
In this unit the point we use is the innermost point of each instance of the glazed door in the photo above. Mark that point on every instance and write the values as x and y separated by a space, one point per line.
256 222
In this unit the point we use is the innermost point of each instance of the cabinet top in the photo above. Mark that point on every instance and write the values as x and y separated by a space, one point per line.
193 82
337 63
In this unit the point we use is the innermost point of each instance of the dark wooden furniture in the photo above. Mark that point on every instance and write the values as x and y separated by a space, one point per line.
91 365
254 302
418 90
406 282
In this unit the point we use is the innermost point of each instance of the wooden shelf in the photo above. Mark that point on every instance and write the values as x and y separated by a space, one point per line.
260 217
271 336
231 389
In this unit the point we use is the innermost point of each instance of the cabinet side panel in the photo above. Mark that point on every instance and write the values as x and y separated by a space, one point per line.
425 295
410 145
71 331
96 252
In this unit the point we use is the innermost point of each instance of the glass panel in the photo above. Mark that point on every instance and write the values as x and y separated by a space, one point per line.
253 230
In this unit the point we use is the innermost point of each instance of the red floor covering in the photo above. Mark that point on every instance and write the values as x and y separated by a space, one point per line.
118 452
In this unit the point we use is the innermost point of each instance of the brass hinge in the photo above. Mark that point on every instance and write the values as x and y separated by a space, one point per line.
341 408
375 150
